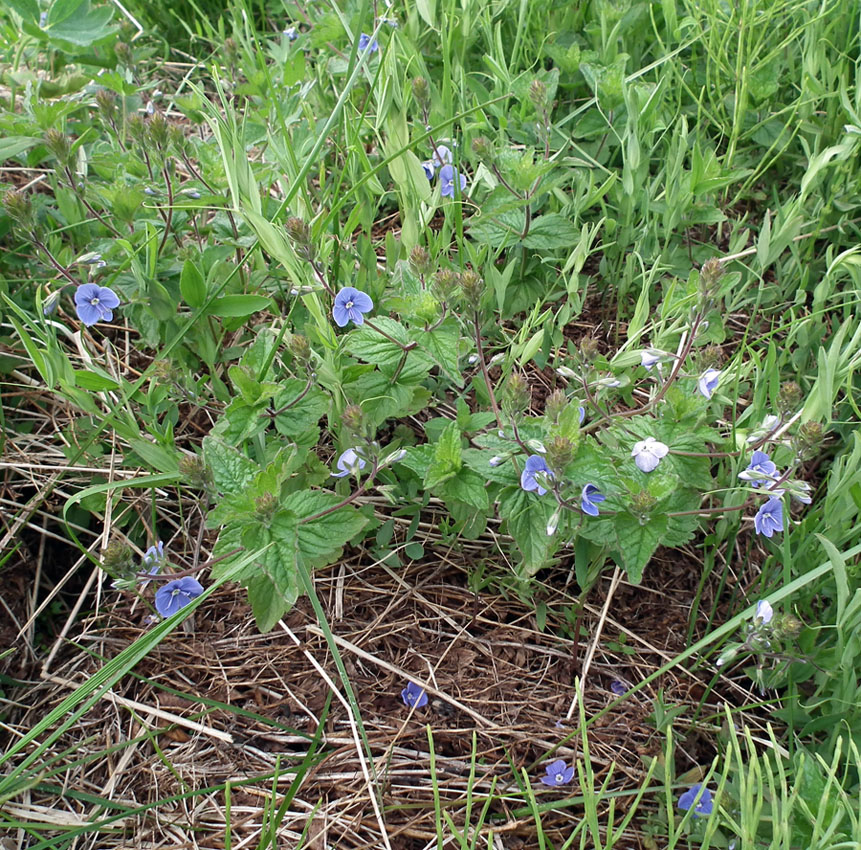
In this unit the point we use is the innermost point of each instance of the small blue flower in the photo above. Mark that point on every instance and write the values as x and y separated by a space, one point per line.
618 688
429 168
349 306
535 464
94 303
704 806
153 557
708 382
442 156
648 453
557 774
176 594
769 518
349 462
760 470
582 412
590 498
49 305
365 42
649 357
292 34
414 696
764 612
447 175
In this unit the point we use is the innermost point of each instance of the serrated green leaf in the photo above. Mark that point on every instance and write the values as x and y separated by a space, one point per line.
370 346
526 517
551 231
468 487
442 345
322 540
303 414
231 470
379 398
500 230
241 421
446 461
638 541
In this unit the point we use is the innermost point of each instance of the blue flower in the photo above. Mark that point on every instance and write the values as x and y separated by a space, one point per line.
447 175
618 688
365 42
708 382
442 156
704 805
292 34
414 696
153 557
760 470
349 462
769 518
49 305
764 612
582 412
648 453
176 594
349 305
650 357
535 464
557 774
589 499
429 167
94 303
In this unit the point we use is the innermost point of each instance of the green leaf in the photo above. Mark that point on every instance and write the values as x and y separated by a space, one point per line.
446 461
442 344
498 231
638 541
192 285
366 344
379 398
552 231
241 420
12 146
526 519
322 540
466 486
94 381
302 415
231 470
228 306
75 22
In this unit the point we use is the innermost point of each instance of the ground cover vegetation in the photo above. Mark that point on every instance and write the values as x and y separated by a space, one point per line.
430 425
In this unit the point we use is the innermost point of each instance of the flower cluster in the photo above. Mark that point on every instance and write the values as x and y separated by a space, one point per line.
448 174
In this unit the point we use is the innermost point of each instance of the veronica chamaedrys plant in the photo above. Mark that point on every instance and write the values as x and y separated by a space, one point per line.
648 453
176 594
590 498
557 773
769 518
448 174
414 696
760 471
350 462
698 798
707 382
350 306
535 474
368 43
94 303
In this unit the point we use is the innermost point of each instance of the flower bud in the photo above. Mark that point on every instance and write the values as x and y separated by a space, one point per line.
711 272
49 305
231 48
560 452
555 403
517 395
421 92
809 439
59 145
553 522
117 558
538 94
193 472
158 130
589 348
444 283
106 103
137 128
19 208
789 397
420 260
176 138
299 347
711 357
643 502
265 506
299 232
472 287
123 52
482 147
353 419
788 626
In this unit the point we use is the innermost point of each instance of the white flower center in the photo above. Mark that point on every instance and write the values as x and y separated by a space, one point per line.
348 305
560 778
94 301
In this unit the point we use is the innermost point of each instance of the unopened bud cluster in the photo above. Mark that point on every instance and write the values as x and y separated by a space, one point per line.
789 397
516 395
299 232
472 287
560 452
420 261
